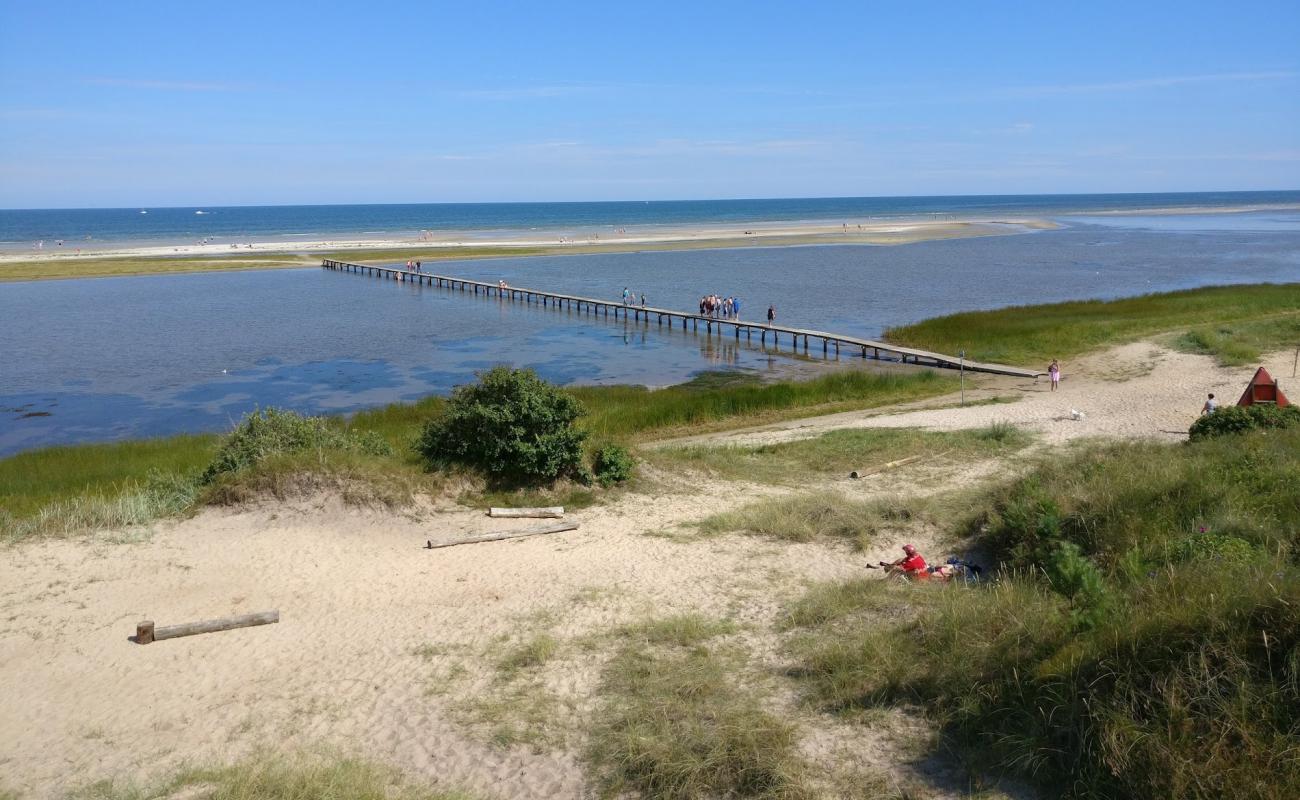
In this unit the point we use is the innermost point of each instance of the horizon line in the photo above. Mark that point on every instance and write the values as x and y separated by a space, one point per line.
650 201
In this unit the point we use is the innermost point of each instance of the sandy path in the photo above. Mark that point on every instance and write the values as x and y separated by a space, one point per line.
1133 391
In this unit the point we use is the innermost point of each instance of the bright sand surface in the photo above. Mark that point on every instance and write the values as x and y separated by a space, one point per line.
383 646
645 237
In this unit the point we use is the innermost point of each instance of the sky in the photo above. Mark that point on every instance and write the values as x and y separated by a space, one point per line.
234 103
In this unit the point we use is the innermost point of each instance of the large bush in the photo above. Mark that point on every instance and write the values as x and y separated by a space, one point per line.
1239 419
512 425
273 432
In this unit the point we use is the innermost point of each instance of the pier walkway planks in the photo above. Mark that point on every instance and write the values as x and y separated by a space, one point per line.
866 348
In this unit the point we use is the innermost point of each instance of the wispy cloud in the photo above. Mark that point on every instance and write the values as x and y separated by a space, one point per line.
1139 84
165 86
507 93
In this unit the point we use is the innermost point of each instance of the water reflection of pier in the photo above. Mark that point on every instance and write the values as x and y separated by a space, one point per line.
714 329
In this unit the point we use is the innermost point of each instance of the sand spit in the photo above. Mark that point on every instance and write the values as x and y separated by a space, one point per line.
768 233
381 642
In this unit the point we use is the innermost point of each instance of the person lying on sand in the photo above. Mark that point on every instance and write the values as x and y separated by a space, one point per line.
911 565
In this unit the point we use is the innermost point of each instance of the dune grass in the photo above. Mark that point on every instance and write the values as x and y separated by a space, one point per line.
277 777
1233 323
1182 681
839 452
808 517
711 402
681 630
32 480
678 722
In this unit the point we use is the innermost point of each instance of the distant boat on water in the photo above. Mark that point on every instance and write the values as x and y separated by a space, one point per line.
200 212
142 211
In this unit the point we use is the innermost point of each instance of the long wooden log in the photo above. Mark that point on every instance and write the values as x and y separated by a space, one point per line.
145 632
544 512
890 465
496 537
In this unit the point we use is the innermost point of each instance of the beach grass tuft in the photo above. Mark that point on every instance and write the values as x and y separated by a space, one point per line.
679 723
278 776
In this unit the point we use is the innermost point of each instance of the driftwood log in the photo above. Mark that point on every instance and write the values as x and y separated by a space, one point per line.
546 512
496 537
145 632
890 465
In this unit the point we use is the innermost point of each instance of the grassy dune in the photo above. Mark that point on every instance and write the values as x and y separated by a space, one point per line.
1233 323
1143 640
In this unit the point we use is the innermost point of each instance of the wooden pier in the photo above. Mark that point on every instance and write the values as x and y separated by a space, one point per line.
798 338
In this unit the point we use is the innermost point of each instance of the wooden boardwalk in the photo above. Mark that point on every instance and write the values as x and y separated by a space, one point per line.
831 343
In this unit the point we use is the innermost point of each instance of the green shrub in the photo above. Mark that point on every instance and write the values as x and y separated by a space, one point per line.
1209 546
1239 419
613 464
1077 578
511 425
274 432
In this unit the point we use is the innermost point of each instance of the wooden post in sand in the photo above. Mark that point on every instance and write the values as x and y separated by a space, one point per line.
146 633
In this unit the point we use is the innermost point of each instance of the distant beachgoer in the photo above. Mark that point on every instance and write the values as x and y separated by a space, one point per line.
771 314
735 307
626 295
1054 372
1210 405
643 299
417 266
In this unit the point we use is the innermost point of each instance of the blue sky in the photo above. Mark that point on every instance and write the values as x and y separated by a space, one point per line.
177 103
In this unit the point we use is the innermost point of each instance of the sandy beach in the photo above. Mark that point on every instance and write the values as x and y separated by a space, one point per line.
605 240
385 649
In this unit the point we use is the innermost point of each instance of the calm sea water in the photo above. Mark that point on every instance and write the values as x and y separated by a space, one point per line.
21 229
116 358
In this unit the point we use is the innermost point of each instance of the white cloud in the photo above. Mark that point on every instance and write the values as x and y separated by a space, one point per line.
164 86
1139 84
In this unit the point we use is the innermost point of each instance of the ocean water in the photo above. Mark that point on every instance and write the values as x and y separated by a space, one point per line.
20 230
116 358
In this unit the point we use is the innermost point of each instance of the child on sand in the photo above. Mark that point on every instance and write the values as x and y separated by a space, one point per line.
1054 372
1210 405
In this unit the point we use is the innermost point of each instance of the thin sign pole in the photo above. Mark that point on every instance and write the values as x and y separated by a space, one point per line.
962 356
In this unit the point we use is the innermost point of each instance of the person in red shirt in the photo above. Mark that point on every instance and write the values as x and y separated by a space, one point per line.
911 565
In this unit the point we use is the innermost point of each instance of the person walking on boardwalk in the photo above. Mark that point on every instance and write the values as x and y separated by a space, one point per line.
735 307
643 299
626 295
771 314
1054 372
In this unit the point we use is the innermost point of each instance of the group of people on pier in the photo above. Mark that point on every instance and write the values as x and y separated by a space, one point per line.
711 305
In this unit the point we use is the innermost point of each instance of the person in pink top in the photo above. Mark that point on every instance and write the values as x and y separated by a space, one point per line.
1054 372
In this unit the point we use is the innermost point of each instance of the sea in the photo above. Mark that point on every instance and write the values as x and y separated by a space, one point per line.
22 229
128 357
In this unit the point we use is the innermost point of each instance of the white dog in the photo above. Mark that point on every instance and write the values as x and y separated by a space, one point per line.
1077 415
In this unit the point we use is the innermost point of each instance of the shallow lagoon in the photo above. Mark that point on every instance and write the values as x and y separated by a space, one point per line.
110 358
